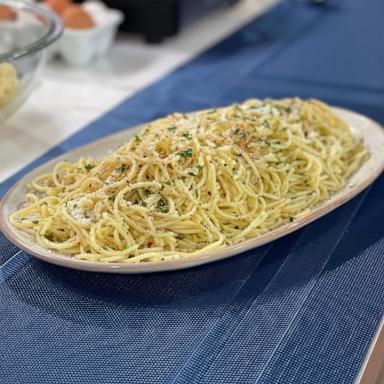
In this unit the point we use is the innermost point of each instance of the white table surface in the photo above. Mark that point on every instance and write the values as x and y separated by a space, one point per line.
68 98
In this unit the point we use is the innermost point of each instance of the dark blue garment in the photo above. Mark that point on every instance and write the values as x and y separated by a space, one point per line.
302 309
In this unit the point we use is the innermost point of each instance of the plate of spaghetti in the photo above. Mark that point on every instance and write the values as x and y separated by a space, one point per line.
189 189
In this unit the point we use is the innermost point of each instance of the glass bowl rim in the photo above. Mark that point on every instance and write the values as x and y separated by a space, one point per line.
55 29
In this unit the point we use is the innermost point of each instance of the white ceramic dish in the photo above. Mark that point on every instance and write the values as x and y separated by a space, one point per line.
371 132
76 46
82 46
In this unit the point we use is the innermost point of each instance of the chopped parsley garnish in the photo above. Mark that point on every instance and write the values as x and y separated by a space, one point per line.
173 128
49 236
187 136
122 168
239 132
237 107
88 167
112 198
186 153
197 172
163 206
291 219
266 124
137 138
35 221
168 182
144 204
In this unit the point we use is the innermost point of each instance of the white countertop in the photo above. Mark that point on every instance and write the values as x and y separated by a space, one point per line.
68 98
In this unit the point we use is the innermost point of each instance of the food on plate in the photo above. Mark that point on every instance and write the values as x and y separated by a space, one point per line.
192 183
8 83
76 17
7 13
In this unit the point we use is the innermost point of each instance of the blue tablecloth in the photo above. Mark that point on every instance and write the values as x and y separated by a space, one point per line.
302 309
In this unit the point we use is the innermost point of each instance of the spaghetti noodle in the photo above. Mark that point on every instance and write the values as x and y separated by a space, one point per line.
192 183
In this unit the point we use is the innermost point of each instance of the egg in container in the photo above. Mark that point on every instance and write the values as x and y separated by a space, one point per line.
89 30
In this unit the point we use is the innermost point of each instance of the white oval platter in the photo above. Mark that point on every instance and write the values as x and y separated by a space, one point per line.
371 132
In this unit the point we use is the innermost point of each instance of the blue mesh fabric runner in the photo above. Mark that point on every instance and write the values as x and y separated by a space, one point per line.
302 309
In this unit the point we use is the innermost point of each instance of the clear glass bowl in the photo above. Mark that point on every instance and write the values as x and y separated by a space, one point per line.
23 39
